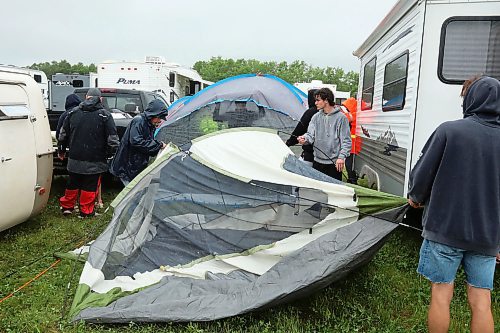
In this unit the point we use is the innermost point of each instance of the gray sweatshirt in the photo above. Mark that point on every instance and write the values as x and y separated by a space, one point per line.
330 135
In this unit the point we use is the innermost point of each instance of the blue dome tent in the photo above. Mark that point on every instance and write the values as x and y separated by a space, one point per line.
248 100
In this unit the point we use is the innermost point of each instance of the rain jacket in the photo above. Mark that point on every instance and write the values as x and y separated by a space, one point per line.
90 133
72 101
301 128
457 177
138 143
351 105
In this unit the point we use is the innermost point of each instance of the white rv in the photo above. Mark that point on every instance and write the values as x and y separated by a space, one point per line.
412 69
25 148
43 83
154 74
340 96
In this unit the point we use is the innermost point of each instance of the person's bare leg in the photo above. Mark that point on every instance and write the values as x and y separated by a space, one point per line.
99 196
438 319
480 305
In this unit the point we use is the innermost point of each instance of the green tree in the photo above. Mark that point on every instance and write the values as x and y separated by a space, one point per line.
63 66
218 68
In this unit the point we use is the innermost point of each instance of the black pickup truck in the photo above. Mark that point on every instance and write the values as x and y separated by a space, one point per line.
119 101
123 104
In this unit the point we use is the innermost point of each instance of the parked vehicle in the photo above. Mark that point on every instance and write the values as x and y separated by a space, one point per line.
123 104
25 148
154 74
412 68
43 83
39 77
340 96
61 85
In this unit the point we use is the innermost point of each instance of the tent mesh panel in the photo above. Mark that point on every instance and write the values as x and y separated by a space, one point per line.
223 115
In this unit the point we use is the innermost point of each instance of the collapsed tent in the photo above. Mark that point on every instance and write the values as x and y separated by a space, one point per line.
248 100
234 224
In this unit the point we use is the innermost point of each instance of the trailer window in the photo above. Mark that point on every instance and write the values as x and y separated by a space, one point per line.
469 46
12 112
77 83
368 84
38 78
394 92
123 102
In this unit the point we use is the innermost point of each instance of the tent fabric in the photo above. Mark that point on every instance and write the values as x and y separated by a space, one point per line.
247 100
233 224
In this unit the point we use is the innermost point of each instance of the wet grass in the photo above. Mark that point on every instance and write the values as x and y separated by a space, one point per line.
387 295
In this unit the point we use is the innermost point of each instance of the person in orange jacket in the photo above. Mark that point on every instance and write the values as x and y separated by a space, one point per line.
348 108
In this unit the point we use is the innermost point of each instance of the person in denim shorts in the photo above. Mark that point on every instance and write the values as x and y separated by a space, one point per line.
457 181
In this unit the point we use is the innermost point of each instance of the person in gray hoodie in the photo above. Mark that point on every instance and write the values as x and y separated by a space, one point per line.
329 134
457 181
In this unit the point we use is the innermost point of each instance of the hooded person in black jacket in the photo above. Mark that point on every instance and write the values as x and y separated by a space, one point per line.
457 180
301 128
90 133
72 101
138 143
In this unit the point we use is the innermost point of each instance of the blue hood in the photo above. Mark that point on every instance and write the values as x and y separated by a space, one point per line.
482 101
72 101
156 108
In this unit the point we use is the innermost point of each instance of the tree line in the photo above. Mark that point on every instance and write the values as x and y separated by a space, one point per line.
218 68
63 66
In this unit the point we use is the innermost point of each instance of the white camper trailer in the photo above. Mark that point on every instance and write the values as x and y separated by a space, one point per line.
340 96
154 74
25 148
412 69
39 77
43 83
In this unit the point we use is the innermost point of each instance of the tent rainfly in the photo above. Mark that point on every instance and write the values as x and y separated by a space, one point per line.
234 224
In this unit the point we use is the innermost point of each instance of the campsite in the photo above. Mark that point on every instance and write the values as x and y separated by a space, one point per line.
290 183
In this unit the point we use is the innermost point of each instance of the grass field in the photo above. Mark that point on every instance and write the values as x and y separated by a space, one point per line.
387 295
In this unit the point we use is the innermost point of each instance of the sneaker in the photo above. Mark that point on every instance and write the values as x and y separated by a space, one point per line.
66 211
83 216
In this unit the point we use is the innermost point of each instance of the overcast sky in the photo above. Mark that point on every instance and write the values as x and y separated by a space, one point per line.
320 32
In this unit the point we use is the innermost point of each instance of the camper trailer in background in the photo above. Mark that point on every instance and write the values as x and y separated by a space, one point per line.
154 74
93 80
25 148
62 85
41 79
412 68
340 96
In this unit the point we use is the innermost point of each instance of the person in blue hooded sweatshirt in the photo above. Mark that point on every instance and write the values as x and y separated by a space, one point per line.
138 143
457 181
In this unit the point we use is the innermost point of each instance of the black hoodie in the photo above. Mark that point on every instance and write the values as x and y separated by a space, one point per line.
72 101
457 177
301 128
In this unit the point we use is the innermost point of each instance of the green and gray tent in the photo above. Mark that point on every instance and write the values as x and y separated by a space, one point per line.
233 224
